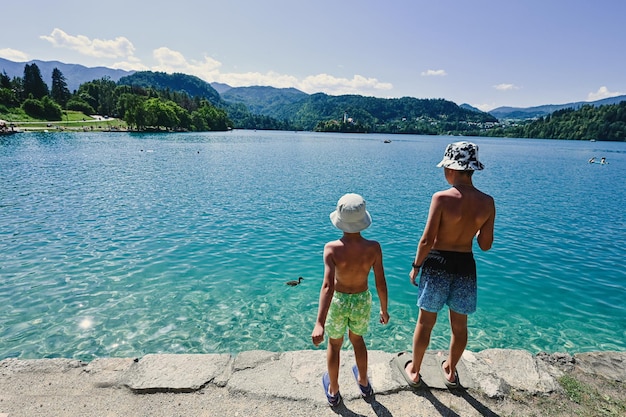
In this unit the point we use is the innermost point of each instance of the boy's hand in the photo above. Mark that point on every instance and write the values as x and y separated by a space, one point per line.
318 334
384 317
413 275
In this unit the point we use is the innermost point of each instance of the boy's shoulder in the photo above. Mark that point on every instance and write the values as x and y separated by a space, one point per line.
333 244
367 244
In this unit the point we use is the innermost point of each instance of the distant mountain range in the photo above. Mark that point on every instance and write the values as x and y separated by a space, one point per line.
261 100
518 113
74 74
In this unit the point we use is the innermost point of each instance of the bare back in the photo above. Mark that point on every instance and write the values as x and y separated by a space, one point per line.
350 260
457 215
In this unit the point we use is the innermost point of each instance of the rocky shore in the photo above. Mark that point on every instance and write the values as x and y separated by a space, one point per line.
495 382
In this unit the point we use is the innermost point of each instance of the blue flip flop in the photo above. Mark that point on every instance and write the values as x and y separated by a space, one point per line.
366 391
333 400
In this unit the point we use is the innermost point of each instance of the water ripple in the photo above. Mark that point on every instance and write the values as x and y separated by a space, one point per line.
109 250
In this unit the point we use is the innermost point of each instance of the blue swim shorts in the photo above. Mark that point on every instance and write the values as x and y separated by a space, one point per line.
350 311
448 278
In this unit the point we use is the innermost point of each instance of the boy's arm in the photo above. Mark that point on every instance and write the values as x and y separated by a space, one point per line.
381 285
429 235
484 236
326 295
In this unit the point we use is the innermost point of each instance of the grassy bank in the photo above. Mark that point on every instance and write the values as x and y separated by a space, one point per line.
72 121
583 395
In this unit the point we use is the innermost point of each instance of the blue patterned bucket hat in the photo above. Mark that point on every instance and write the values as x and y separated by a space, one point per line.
461 156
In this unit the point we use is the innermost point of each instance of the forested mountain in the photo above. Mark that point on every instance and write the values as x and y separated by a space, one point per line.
189 84
354 113
184 102
268 101
589 122
402 115
469 107
141 108
74 74
192 86
220 87
518 113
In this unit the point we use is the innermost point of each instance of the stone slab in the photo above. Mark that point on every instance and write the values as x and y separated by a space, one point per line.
108 372
175 373
297 375
431 373
498 371
611 365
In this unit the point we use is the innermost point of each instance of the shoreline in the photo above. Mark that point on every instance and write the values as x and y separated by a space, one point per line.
493 381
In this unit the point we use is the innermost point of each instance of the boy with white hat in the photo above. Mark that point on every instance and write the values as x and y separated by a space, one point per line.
444 254
345 300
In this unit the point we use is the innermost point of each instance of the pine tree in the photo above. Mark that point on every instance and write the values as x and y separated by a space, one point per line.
33 83
59 92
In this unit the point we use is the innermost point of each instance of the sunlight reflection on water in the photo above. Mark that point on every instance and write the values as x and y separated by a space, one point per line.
108 250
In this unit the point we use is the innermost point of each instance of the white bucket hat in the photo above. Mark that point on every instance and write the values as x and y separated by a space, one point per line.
351 215
461 156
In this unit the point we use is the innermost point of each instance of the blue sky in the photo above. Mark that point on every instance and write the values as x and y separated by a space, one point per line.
485 53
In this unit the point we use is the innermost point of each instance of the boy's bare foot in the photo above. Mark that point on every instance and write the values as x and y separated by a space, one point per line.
451 379
404 363
413 376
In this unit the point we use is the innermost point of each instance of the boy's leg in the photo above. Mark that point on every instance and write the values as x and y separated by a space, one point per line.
458 342
360 355
332 362
421 339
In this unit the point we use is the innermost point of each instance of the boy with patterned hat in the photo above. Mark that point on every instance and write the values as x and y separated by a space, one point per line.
345 300
444 255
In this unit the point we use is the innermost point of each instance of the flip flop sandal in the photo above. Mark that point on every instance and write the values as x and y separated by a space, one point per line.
333 400
450 385
366 391
401 360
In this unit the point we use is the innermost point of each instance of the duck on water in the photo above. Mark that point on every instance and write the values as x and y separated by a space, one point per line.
294 282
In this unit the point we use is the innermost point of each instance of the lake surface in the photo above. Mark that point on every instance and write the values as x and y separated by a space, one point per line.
121 244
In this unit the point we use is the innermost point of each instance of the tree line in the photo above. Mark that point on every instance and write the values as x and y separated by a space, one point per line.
179 102
606 122
356 113
140 107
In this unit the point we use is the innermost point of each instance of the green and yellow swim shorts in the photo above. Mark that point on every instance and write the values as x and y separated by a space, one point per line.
350 311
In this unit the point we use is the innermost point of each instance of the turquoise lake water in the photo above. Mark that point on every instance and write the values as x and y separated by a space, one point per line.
119 245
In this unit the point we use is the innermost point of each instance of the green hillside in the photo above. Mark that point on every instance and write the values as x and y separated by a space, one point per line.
355 113
189 84
517 113
589 122
403 115
268 101
180 102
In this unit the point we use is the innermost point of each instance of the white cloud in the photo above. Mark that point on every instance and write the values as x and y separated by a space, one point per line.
208 69
171 61
602 92
256 78
323 83
434 73
14 55
506 87
119 47
337 86
130 65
